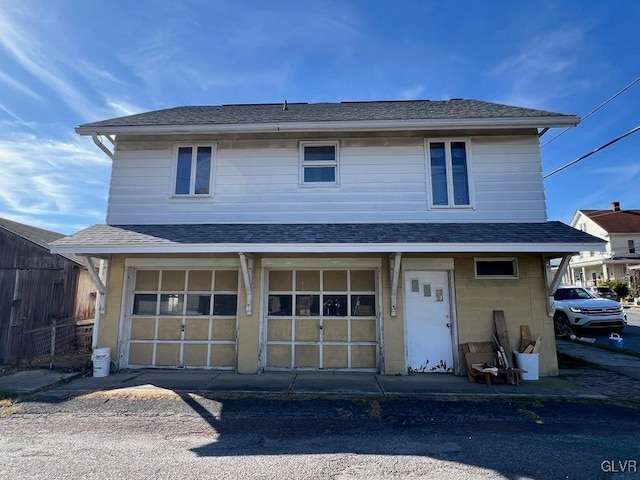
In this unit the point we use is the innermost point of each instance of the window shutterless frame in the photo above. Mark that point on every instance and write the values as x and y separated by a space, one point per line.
494 267
449 173
193 170
319 163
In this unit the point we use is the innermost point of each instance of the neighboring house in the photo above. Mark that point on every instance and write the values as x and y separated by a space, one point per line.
354 236
36 286
620 229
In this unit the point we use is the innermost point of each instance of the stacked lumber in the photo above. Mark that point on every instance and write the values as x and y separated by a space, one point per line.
527 345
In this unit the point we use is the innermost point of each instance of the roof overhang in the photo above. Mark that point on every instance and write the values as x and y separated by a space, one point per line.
339 126
559 248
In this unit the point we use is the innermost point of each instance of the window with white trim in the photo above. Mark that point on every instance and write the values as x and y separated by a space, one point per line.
319 163
632 246
193 168
496 267
448 166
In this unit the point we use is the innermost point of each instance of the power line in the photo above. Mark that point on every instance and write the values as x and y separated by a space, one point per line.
630 132
610 99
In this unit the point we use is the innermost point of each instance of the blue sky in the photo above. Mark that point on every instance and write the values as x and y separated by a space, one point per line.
66 62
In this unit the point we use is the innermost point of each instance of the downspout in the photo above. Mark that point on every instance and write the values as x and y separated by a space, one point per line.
97 139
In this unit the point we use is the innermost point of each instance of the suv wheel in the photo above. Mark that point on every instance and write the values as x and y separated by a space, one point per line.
561 324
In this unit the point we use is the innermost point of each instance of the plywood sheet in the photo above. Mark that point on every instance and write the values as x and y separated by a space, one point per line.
280 280
363 330
307 356
334 281
224 329
223 355
199 281
143 328
195 355
335 356
307 280
308 330
196 329
279 329
168 354
363 356
147 280
279 356
226 280
173 280
334 330
169 328
140 353
363 281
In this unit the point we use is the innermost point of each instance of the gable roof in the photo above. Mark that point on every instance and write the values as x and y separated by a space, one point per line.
353 237
620 221
361 115
36 235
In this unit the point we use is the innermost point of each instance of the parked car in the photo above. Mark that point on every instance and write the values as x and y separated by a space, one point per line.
576 308
604 292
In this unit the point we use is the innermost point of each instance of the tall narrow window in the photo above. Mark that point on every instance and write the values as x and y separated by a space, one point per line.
632 246
319 163
448 166
193 171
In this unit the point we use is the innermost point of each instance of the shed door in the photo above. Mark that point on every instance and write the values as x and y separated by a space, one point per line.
428 321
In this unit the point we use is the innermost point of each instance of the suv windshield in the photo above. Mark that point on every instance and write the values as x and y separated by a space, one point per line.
572 294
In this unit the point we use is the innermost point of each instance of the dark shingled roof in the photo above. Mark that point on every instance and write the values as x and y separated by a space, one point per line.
620 221
286 234
324 112
36 235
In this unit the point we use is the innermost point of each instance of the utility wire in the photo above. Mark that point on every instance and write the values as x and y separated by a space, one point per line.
595 110
630 132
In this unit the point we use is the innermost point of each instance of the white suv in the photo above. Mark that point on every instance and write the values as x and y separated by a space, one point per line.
576 308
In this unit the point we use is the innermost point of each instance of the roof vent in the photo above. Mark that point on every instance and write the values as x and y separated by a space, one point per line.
615 206
285 106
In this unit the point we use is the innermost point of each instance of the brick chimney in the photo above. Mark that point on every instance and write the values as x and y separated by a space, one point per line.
615 206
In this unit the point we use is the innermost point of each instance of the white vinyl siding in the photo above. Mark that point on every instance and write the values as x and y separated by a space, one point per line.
381 180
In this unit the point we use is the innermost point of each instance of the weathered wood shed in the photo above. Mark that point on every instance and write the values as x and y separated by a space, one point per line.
36 286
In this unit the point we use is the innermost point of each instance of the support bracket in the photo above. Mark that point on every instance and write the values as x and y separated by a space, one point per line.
246 265
394 270
97 281
552 283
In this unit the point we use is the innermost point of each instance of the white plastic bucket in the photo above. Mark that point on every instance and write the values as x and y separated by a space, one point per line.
101 358
530 363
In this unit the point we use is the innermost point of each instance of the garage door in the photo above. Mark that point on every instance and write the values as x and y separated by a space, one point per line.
184 318
322 319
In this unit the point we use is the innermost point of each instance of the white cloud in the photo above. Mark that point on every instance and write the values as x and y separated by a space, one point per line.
14 84
122 108
44 182
411 93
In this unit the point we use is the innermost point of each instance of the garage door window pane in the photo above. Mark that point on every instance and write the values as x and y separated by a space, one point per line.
145 304
225 304
363 305
171 304
280 305
335 306
198 304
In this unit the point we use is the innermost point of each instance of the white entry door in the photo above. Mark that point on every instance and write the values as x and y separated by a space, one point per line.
428 321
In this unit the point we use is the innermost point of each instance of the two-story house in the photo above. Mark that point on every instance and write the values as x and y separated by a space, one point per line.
620 229
352 236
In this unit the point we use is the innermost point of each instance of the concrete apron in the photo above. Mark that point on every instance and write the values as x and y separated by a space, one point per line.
313 383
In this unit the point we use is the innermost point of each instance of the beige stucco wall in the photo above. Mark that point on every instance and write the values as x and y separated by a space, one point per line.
523 301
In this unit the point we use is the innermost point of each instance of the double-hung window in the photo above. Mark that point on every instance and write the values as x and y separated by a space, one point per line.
319 163
193 170
448 166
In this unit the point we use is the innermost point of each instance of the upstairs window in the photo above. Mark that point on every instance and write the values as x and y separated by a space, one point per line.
319 163
632 246
193 170
449 173
496 267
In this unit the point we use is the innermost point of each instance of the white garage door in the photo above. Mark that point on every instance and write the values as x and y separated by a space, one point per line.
322 319
184 318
